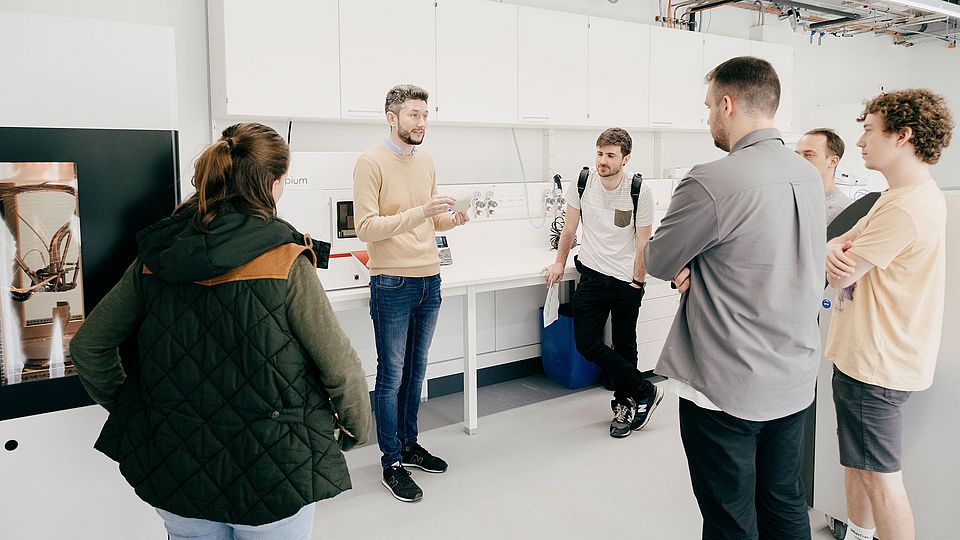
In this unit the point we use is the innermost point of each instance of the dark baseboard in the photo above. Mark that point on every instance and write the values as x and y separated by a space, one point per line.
453 384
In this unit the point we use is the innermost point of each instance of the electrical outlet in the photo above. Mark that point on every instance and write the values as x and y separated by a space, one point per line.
502 202
549 200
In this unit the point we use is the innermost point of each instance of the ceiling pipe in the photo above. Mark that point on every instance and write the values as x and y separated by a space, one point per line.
710 5
841 20
861 26
875 17
819 9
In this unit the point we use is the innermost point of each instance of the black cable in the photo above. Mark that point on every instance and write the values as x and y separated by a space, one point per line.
556 228
558 222
289 129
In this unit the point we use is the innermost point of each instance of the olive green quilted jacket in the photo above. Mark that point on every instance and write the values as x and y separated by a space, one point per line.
228 414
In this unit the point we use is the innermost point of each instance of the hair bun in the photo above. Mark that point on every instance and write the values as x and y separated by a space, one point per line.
229 142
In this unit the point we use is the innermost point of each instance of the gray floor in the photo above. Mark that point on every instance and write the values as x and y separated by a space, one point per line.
541 466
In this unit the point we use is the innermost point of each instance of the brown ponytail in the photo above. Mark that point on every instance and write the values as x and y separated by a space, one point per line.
239 169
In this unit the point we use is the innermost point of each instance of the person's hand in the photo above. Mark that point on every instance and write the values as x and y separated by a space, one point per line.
437 205
345 439
460 218
681 281
554 273
839 264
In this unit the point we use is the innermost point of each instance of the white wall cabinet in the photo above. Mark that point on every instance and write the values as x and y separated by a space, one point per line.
277 60
618 73
384 43
482 62
717 50
781 56
552 51
654 321
676 97
476 62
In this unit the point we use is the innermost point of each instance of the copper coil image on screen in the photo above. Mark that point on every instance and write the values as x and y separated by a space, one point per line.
41 305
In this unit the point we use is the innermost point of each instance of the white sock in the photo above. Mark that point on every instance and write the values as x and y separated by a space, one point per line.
858 533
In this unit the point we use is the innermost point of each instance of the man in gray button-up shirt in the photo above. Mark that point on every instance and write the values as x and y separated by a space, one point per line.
744 240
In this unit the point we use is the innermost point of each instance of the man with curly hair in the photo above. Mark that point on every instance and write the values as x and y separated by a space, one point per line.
889 270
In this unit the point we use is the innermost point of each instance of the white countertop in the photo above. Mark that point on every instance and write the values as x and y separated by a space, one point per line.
482 271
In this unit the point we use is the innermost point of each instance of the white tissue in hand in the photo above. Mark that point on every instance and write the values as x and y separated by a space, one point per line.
551 306
461 205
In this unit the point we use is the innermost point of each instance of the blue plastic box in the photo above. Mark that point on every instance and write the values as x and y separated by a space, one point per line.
561 362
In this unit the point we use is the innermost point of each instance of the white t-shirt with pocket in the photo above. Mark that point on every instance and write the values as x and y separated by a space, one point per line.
608 237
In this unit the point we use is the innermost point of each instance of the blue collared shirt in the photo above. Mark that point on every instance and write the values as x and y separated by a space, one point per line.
397 149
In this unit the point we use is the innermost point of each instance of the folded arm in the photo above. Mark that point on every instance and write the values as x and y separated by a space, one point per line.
688 229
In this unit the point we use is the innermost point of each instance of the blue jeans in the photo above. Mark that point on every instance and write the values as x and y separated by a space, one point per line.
404 312
296 527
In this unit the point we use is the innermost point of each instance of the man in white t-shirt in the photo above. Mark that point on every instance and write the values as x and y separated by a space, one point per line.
612 275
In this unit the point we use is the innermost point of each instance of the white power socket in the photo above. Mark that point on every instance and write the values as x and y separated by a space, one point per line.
500 202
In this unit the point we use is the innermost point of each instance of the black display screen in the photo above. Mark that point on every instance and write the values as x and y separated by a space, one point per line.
64 187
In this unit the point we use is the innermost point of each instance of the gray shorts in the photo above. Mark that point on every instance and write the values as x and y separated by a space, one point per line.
869 424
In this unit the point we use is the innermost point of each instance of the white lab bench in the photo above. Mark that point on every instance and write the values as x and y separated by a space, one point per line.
474 273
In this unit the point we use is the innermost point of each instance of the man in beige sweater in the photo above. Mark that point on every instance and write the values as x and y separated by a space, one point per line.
397 213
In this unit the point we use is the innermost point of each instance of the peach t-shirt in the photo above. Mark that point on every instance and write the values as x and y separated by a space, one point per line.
889 333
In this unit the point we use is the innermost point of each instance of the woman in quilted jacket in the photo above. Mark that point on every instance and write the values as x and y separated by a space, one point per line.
245 389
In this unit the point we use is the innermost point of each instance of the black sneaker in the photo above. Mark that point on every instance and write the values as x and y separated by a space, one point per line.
837 528
417 456
646 407
623 417
398 481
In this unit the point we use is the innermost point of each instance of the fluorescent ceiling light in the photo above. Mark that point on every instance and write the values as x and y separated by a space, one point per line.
938 6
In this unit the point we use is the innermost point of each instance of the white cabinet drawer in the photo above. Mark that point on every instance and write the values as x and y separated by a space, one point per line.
648 353
658 289
653 330
658 308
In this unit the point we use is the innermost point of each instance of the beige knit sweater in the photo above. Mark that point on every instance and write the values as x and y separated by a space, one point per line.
388 192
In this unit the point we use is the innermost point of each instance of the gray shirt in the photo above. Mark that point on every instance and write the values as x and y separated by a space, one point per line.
750 227
836 201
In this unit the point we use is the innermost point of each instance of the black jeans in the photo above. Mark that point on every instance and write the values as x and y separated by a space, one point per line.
597 297
746 475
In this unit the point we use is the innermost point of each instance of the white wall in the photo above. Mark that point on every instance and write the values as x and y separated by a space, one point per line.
188 20
934 66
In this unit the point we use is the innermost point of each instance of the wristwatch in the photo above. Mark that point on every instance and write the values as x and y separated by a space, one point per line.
641 284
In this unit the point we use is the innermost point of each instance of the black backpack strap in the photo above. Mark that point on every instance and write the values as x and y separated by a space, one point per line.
582 182
635 194
557 179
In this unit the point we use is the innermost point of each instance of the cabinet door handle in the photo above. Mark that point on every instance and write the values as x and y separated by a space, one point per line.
535 119
364 113
661 123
